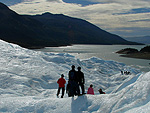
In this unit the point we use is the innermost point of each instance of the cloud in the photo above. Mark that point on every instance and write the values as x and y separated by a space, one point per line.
145 20
135 11
109 15
82 2
132 31
11 2
53 0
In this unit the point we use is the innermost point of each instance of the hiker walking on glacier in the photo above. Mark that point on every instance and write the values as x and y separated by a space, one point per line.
73 82
81 81
61 81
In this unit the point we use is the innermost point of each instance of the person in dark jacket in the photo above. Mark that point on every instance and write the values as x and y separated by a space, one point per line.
81 80
61 81
68 89
73 82
100 91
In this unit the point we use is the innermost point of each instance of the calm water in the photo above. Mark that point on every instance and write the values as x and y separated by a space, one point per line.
106 52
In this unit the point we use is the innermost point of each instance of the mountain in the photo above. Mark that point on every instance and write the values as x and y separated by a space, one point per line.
142 39
23 31
51 30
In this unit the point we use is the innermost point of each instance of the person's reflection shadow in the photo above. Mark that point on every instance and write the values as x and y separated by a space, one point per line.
79 104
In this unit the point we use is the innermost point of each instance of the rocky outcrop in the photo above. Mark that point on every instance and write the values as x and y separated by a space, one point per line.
144 53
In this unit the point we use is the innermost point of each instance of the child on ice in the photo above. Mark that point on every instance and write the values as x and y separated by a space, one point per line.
90 90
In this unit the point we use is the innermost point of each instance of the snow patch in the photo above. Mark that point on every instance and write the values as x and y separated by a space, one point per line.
28 83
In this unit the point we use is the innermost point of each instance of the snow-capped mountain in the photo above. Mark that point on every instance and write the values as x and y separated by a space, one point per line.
28 84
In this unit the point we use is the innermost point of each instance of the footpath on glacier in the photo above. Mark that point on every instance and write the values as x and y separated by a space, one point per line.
28 84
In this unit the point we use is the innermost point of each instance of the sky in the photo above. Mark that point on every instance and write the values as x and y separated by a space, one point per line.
126 18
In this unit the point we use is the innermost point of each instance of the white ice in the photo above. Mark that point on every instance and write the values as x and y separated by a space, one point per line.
28 84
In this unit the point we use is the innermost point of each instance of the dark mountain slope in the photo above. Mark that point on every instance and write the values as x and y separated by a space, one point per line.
21 30
51 30
80 30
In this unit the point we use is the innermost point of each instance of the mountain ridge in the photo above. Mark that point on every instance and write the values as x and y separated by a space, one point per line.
139 39
51 30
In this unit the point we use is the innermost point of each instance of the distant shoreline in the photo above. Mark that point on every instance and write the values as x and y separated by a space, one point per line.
138 55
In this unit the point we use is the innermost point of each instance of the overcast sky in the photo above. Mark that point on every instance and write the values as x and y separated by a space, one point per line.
122 17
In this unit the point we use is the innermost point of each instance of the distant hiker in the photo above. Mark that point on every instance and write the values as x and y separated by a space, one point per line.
73 82
127 73
100 91
81 80
90 90
61 81
122 72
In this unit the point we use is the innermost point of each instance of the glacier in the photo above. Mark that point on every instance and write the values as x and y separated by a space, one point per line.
28 83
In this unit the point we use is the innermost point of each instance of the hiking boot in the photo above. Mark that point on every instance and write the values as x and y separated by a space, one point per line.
57 96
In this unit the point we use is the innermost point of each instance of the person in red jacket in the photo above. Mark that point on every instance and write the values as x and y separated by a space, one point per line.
61 81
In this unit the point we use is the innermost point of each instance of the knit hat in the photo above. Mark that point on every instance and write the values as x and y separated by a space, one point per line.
62 75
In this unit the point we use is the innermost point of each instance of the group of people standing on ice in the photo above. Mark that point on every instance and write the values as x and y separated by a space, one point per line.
75 81
125 72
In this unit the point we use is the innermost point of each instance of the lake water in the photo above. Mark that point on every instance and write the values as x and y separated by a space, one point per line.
106 52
